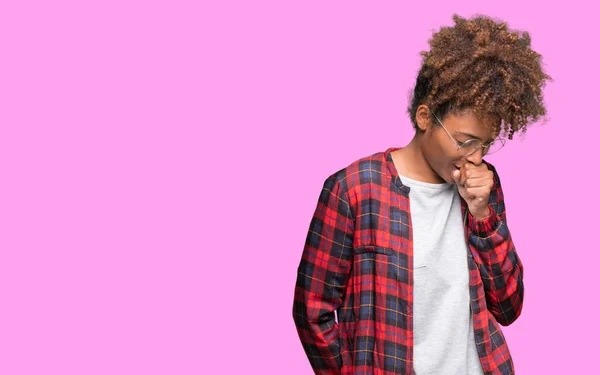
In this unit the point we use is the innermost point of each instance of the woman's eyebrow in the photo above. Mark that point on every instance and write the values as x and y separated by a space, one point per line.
470 135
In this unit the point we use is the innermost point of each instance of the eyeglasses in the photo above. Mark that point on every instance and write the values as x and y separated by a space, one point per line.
473 145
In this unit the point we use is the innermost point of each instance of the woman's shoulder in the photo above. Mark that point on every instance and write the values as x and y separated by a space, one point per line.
368 169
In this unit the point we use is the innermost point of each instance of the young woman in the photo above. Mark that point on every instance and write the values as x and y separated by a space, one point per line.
410 246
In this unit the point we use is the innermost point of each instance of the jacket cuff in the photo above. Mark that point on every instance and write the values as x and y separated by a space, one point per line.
486 226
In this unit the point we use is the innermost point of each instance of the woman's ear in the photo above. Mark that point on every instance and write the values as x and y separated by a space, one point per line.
423 117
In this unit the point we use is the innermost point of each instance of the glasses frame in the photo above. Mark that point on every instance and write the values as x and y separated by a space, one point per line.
462 147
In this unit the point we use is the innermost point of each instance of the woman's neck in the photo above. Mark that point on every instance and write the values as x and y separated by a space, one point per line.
411 162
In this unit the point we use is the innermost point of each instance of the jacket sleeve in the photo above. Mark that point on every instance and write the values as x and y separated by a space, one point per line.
500 267
322 277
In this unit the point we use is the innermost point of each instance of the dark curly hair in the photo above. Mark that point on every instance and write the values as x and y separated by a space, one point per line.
481 65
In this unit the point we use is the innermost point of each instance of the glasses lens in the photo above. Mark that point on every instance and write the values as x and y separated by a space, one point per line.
469 147
495 146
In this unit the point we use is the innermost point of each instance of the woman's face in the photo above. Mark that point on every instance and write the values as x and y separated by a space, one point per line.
440 150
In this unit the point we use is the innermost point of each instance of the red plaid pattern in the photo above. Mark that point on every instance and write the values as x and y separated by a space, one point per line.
358 262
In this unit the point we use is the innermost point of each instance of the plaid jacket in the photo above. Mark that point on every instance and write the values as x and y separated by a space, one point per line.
358 262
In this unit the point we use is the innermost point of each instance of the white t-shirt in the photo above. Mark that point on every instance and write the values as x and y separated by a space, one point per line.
444 341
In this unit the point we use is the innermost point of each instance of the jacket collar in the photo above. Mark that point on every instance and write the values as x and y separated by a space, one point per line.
392 170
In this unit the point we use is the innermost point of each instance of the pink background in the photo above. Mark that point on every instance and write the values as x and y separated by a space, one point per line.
161 161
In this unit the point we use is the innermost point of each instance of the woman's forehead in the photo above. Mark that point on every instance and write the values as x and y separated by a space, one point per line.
471 125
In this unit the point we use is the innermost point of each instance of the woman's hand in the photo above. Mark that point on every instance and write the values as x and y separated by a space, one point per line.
475 183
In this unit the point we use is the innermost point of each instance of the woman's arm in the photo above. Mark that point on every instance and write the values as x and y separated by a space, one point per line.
322 277
499 265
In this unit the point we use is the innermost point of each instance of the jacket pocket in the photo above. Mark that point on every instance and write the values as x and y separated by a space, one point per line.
372 249
377 273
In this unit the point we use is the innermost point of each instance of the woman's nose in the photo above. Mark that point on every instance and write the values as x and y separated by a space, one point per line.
476 157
